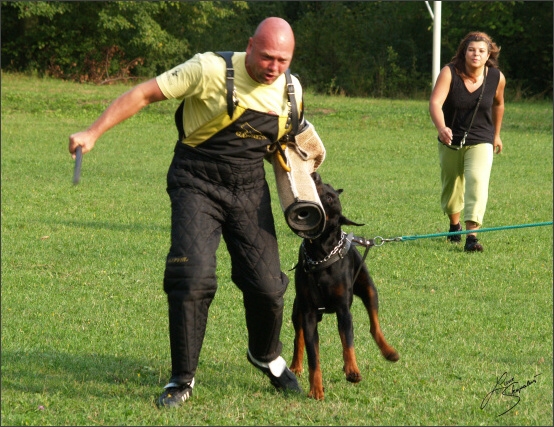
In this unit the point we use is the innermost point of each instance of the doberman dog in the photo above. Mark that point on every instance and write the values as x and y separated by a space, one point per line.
330 271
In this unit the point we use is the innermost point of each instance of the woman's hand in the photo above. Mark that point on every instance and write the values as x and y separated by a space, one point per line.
497 145
445 135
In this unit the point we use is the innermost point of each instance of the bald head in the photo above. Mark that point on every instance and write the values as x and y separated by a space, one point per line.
275 30
270 50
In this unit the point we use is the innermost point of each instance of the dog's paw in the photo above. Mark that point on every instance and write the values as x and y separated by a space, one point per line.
316 393
392 356
296 369
354 377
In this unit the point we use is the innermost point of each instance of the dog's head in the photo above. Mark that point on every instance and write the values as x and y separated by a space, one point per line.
329 198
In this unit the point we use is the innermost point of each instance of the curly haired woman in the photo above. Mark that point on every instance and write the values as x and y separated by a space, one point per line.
466 107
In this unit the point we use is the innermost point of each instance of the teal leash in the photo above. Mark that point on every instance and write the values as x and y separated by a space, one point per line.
378 241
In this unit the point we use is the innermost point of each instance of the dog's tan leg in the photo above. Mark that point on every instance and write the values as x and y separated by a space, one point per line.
366 290
350 367
316 378
387 350
298 355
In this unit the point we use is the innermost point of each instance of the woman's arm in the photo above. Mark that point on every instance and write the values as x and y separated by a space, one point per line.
438 96
498 113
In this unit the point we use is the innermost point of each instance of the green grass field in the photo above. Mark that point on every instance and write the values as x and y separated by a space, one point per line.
84 316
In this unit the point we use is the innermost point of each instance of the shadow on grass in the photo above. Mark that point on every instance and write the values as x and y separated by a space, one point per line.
55 372
112 226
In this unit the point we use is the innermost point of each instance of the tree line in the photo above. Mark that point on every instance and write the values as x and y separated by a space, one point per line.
354 48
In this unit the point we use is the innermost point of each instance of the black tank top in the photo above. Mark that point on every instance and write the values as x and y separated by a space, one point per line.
460 104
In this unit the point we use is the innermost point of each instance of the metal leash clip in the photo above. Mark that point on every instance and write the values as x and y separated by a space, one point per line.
379 241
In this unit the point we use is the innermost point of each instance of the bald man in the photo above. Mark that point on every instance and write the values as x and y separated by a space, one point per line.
217 187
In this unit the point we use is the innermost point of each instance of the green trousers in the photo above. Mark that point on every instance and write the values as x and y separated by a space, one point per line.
465 175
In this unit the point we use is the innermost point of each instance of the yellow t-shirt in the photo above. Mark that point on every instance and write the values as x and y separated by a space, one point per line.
202 82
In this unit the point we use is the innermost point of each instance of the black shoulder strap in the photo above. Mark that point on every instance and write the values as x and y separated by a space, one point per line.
476 106
230 86
230 76
230 81
292 100
179 120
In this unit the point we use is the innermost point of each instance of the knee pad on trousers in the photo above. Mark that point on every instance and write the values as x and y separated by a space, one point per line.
195 281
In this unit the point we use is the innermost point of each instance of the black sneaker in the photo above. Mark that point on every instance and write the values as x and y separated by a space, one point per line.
175 394
473 245
456 238
286 381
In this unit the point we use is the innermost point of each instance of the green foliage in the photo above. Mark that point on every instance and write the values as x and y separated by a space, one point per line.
105 41
40 9
84 317
523 30
352 48
362 48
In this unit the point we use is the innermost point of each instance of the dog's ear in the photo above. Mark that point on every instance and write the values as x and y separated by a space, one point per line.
340 190
345 221
316 177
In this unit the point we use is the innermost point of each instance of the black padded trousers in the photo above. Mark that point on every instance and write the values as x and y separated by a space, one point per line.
211 199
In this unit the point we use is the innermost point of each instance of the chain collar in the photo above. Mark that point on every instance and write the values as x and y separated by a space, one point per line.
337 253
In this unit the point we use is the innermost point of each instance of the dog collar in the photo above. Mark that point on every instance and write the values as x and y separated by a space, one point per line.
337 253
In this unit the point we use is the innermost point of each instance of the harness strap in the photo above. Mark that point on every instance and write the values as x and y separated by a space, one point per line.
230 86
292 120
230 81
232 101
361 264
179 120
293 113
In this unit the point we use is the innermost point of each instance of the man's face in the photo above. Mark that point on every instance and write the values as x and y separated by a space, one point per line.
267 59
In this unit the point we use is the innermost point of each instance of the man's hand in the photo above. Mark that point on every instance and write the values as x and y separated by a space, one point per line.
84 139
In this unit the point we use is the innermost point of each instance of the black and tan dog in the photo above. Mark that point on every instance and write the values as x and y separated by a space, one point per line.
325 283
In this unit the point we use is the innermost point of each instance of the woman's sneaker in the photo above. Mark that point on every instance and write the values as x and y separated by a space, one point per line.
456 238
175 394
473 245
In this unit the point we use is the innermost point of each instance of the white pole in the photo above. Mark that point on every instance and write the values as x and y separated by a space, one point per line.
429 9
436 40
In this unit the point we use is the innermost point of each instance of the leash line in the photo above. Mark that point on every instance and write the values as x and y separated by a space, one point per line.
381 240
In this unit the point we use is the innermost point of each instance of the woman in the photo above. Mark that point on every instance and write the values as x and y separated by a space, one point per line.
468 101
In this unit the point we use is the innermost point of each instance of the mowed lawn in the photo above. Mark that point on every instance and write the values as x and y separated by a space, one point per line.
84 316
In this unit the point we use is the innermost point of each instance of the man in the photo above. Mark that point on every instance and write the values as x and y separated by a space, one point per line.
217 187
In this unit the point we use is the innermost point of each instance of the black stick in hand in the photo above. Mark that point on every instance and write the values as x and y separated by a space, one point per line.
78 162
